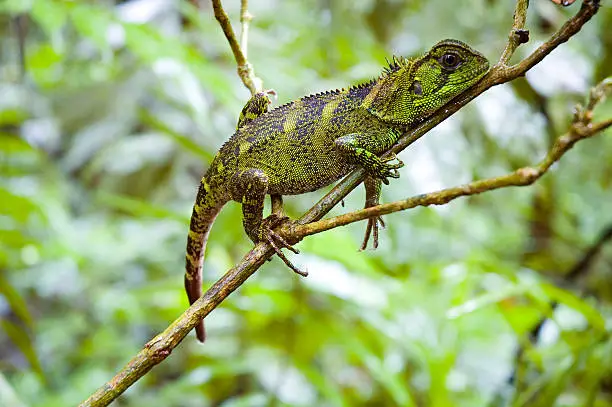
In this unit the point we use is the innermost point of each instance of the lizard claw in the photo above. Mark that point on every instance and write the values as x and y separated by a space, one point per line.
392 157
373 224
387 170
267 234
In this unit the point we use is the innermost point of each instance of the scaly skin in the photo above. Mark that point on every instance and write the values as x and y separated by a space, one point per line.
309 143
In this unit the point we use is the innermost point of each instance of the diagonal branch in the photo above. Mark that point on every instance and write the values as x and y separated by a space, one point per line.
156 350
500 73
244 68
520 177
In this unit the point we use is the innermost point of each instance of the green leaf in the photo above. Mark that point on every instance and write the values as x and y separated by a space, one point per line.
15 301
17 207
187 143
50 15
593 316
14 238
486 300
138 207
21 339
43 58
15 6
150 45
326 387
42 64
8 395
521 318
391 381
12 117
92 22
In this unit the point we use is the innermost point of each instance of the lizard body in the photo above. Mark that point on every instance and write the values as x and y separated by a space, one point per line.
309 143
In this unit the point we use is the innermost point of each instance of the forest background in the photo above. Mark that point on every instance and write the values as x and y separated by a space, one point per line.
111 111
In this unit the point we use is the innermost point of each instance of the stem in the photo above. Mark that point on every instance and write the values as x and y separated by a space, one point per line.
244 68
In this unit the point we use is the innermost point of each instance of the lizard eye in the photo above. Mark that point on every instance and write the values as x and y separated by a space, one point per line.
450 60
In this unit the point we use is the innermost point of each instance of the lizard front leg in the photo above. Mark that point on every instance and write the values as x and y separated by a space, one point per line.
250 187
373 189
360 149
255 107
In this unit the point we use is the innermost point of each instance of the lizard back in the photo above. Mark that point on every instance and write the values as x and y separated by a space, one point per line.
294 143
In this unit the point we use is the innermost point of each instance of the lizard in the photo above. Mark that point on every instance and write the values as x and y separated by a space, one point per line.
311 142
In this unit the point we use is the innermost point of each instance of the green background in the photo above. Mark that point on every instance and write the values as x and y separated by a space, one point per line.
111 115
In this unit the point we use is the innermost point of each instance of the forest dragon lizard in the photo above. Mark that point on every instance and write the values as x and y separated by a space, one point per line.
311 142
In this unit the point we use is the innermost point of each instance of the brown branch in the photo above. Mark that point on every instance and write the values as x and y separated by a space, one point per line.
500 73
520 177
515 38
569 29
244 68
245 19
582 266
160 347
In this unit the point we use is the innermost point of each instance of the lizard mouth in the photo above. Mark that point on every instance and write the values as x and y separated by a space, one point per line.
483 67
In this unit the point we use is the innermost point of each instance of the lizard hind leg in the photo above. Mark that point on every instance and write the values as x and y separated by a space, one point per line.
267 233
252 186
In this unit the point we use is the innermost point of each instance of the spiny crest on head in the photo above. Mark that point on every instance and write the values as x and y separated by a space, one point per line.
395 64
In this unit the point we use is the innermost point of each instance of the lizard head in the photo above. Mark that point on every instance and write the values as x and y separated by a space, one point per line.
413 89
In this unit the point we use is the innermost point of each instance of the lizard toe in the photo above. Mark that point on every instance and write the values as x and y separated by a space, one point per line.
269 235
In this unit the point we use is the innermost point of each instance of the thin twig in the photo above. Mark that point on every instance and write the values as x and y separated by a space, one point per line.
570 28
245 19
514 39
160 347
244 68
226 26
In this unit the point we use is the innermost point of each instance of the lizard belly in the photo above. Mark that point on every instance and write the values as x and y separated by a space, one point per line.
315 179
305 172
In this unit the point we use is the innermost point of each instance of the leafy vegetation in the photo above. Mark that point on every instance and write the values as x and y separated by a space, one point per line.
111 113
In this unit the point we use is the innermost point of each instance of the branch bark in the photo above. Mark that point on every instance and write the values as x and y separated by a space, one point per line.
521 177
160 347
244 68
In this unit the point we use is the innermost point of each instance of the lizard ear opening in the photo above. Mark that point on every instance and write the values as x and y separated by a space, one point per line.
417 89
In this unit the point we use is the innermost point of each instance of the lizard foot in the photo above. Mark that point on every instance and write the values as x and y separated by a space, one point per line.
372 227
386 170
267 234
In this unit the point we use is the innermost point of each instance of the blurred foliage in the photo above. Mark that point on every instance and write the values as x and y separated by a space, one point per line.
110 112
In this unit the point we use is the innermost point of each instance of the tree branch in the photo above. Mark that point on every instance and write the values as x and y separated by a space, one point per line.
515 38
245 19
156 350
520 177
244 68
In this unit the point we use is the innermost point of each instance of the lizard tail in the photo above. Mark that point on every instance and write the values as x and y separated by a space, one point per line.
205 211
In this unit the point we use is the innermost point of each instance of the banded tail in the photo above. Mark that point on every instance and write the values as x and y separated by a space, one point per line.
205 211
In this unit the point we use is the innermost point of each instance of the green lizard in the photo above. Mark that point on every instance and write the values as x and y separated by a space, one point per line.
309 143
